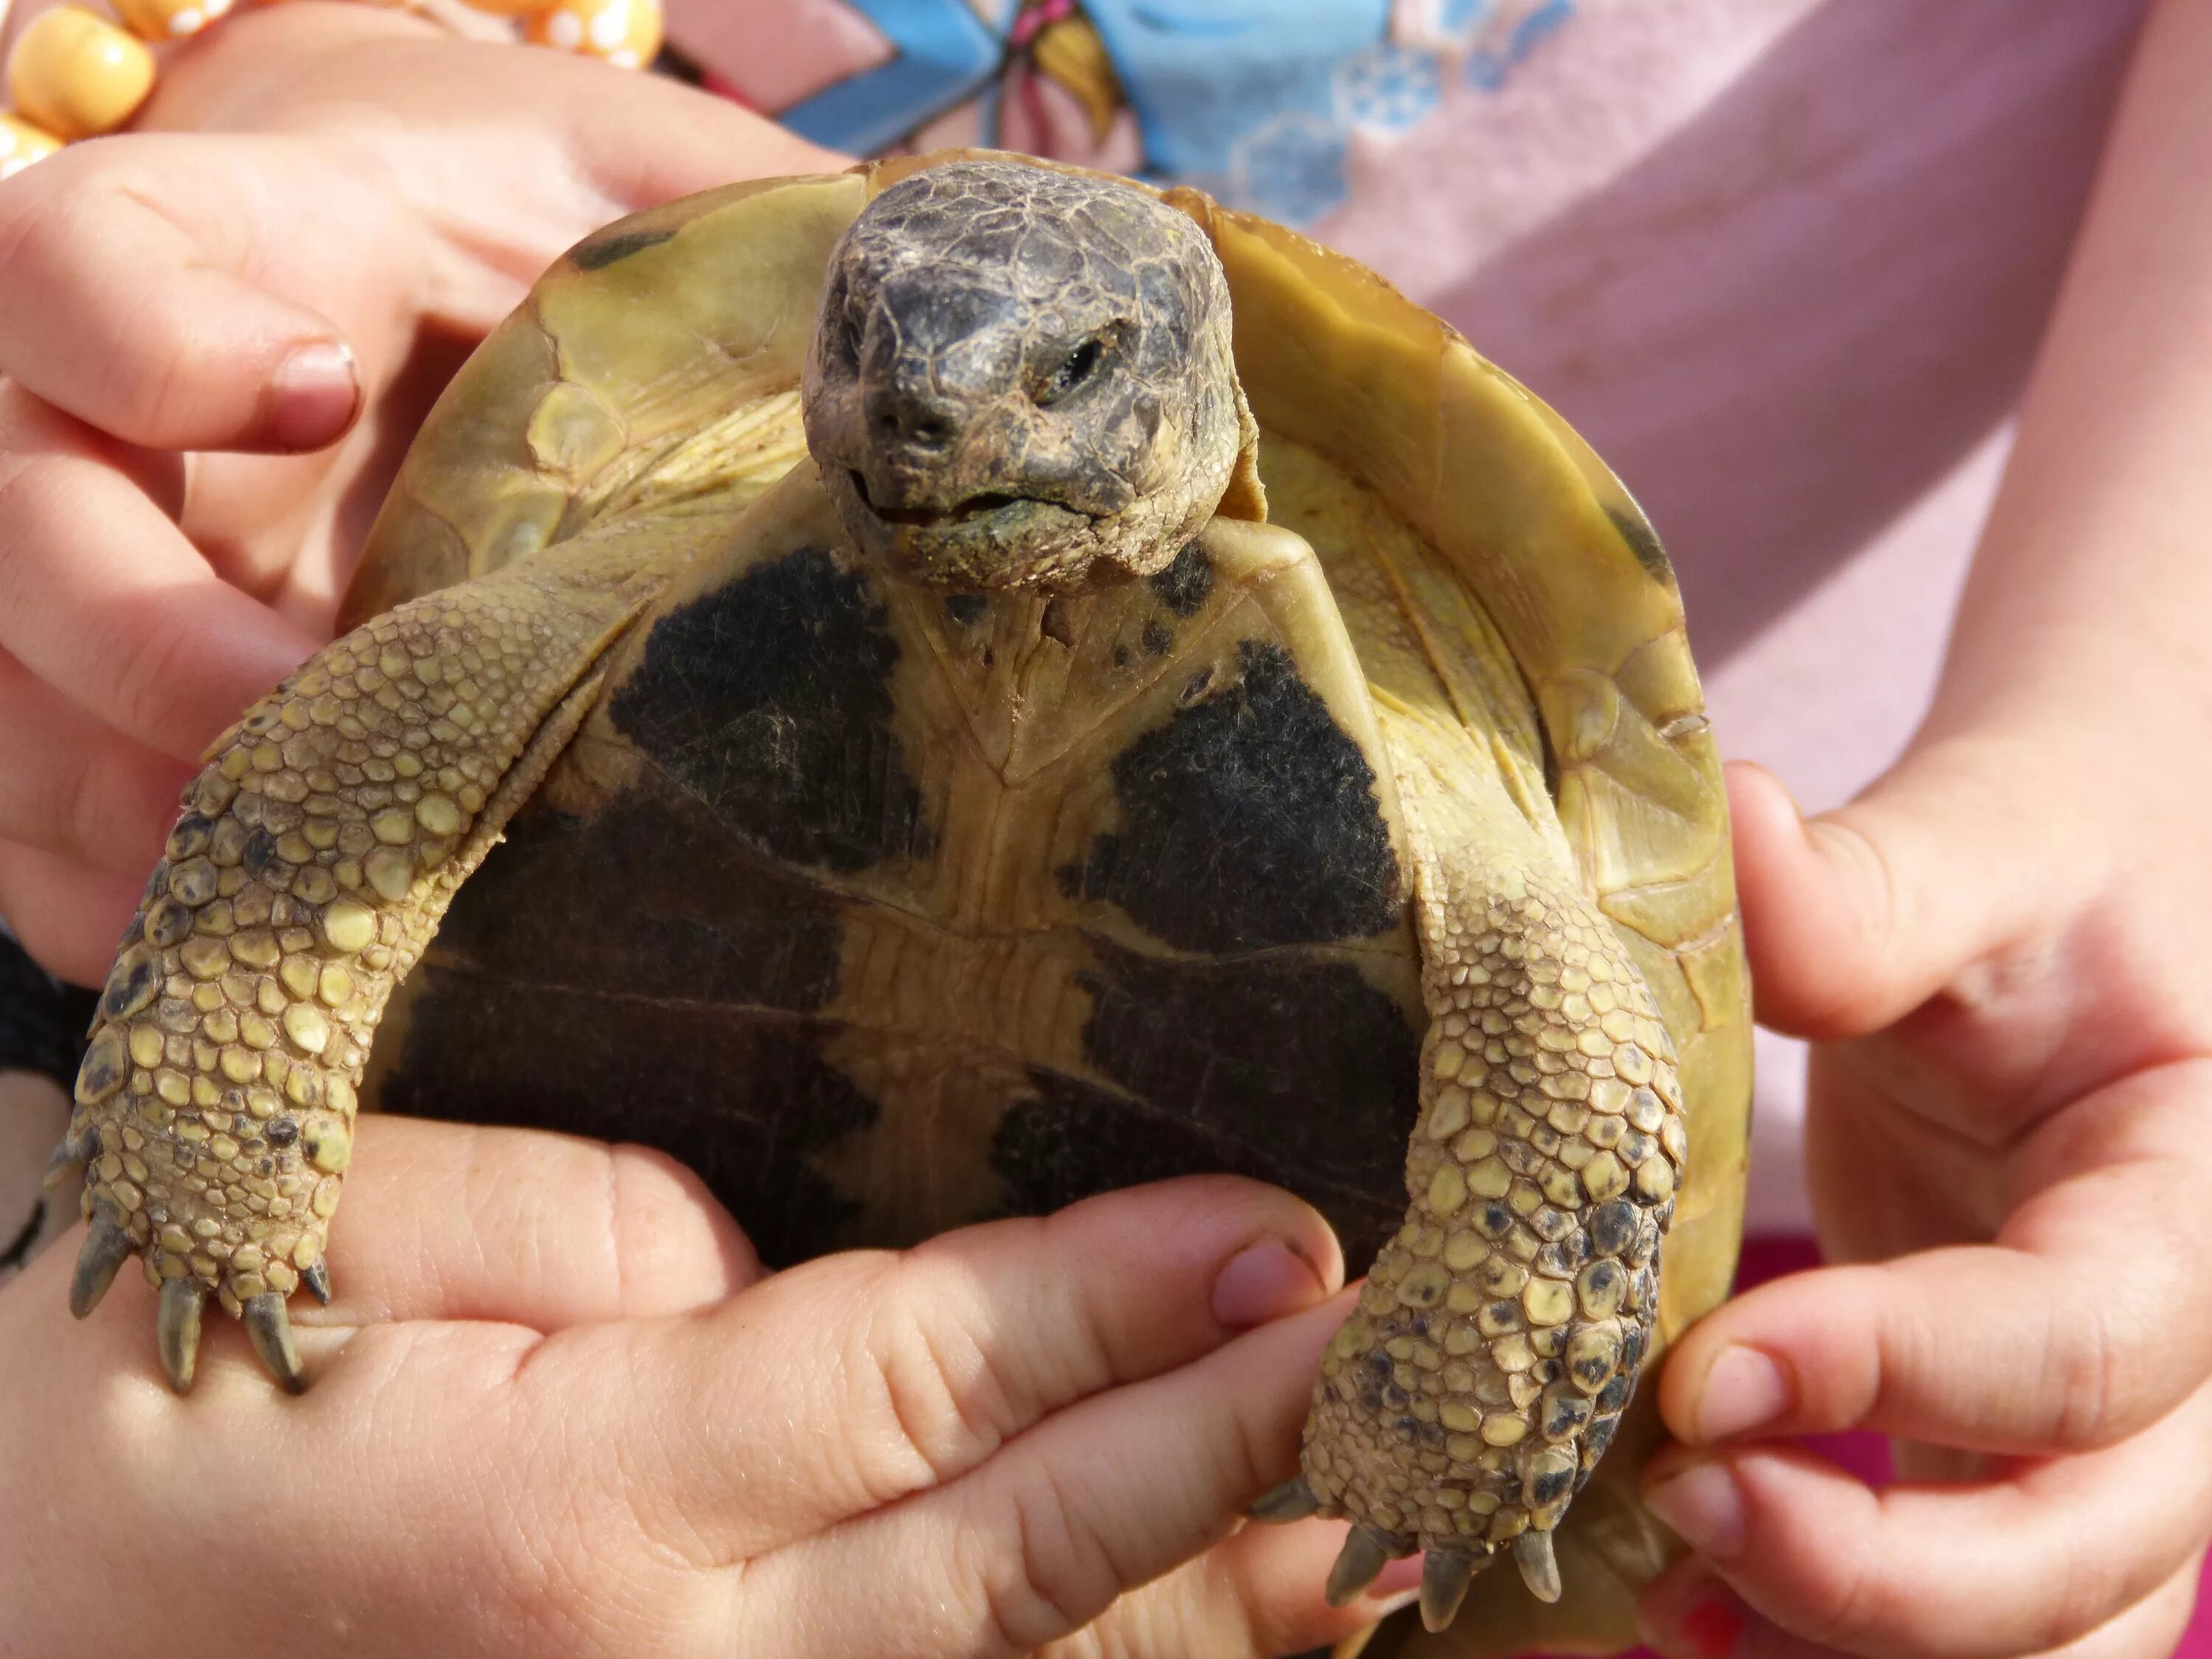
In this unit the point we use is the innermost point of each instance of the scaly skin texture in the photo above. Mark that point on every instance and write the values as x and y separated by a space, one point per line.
314 859
1020 373
1499 1334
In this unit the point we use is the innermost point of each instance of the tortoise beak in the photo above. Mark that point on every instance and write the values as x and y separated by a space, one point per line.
930 518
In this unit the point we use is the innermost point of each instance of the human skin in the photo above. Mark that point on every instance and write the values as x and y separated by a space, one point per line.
2003 953
2001 949
559 1410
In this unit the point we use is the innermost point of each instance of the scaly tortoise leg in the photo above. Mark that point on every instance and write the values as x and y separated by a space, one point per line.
314 857
1499 1334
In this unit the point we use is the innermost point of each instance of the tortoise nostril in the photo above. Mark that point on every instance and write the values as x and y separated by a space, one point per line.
924 428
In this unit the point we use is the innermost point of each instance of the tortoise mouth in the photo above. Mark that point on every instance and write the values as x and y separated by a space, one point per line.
985 504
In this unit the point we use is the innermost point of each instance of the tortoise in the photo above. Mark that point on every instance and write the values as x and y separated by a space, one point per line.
998 683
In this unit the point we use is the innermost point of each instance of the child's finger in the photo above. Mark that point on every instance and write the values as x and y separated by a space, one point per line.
448 1221
2084 1323
1858 916
127 298
77 787
1092 1502
103 598
617 142
845 1383
1258 1594
67 916
1983 1571
1689 1613
452 1223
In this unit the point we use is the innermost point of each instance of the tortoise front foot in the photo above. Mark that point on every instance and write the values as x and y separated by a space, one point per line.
182 1296
1500 1331
313 857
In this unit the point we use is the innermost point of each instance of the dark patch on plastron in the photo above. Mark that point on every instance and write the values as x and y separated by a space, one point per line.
966 609
643 976
769 699
600 252
739 1098
1250 821
652 899
1643 542
1185 586
1158 639
1300 1073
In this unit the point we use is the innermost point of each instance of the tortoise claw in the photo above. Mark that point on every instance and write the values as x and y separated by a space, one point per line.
1365 1553
270 1329
1293 1500
72 1155
317 1279
1445 1575
180 1331
1540 1568
106 1247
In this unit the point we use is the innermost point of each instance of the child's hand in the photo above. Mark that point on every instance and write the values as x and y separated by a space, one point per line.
556 1410
190 323
2004 948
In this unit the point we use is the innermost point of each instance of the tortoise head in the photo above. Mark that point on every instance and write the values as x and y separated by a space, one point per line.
1022 374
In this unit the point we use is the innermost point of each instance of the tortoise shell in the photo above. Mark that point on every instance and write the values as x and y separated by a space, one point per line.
890 909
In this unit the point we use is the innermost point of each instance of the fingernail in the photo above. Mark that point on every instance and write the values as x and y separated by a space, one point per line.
1744 1390
1264 1282
312 396
1702 1504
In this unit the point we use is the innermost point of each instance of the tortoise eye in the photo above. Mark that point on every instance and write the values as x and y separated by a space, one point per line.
1075 371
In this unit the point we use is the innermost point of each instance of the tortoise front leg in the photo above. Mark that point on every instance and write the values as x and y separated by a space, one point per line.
314 857
1499 1334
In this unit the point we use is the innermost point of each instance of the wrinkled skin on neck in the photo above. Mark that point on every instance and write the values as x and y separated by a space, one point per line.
1022 379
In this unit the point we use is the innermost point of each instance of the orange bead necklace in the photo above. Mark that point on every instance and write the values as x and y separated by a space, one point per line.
73 74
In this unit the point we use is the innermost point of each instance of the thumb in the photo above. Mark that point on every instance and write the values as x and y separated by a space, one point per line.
1853 918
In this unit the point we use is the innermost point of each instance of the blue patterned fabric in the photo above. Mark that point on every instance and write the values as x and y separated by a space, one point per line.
945 55
1218 85
1259 102
1488 71
1388 88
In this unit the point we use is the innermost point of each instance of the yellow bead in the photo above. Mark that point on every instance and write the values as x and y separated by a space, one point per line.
626 33
21 143
168 20
78 75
